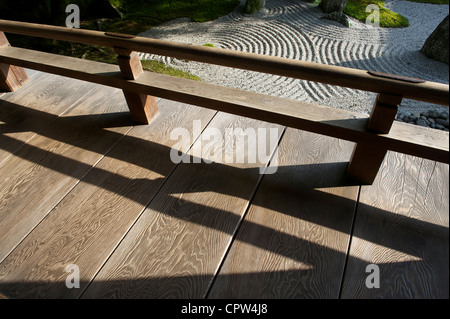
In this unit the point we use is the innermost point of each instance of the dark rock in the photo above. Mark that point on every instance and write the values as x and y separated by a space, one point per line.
339 17
328 6
444 115
434 114
442 122
422 122
436 47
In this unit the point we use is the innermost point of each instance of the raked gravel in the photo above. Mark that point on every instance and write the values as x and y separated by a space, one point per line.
294 29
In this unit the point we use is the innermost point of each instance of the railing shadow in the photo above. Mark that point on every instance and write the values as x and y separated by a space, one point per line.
306 178
300 183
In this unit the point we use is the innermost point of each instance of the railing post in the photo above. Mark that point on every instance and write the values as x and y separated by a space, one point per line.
11 77
366 159
143 108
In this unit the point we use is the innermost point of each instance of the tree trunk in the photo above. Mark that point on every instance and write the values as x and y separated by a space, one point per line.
252 6
328 6
436 47
333 10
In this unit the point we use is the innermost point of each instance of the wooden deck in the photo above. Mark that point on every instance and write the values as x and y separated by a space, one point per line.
81 185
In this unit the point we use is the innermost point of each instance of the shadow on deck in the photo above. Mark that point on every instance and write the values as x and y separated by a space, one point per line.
81 185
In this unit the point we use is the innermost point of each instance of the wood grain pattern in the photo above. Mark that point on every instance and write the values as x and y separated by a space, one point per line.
402 226
383 113
88 224
12 77
175 247
43 171
334 75
143 108
365 163
25 113
293 241
367 159
129 64
187 242
409 139
29 73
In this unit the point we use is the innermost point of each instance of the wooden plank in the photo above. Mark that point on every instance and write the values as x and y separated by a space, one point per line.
366 159
334 75
129 63
143 108
174 249
85 70
30 73
294 239
365 163
409 139
25 113
383 113
88 224
42 172
402 227
12 77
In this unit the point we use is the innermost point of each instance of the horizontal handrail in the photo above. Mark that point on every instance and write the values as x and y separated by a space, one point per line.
343 124
334 75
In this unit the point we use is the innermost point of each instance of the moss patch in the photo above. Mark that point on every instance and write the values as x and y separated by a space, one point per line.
158 67
141 15
388 18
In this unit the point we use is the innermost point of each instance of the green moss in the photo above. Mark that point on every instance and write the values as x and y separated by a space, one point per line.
115 3
141 15
209 45
137 16
158 67
388 18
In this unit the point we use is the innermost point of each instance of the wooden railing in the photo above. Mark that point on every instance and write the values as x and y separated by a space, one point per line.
374 135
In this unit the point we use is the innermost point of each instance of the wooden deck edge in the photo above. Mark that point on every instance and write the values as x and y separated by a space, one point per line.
403 138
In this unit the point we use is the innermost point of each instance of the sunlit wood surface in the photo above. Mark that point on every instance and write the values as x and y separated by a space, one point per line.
80 184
